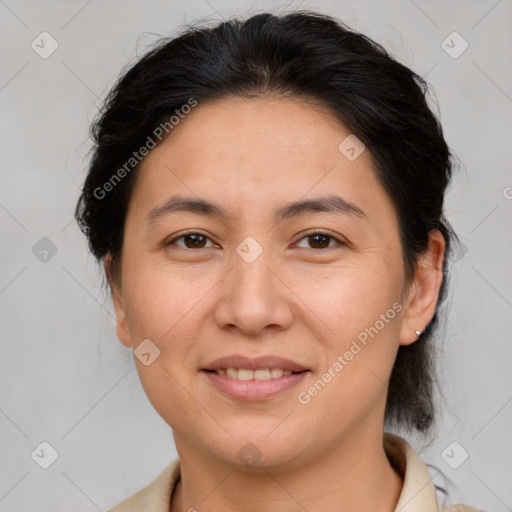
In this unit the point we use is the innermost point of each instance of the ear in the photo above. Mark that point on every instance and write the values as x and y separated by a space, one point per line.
122 329
424 291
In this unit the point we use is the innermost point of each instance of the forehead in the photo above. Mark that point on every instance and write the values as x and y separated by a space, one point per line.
258 152
275 127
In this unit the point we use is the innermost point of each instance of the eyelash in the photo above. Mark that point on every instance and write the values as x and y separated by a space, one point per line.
307 235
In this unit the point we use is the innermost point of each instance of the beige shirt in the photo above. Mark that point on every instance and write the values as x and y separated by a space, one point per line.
417 495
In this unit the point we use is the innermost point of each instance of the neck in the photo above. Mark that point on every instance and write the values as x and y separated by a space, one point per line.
356 476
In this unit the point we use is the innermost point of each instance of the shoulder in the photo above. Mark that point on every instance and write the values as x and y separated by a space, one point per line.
418 491
156 496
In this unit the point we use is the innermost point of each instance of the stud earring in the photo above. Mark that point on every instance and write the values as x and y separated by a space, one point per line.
418 333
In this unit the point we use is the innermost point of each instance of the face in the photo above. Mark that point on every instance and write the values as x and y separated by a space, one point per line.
322 287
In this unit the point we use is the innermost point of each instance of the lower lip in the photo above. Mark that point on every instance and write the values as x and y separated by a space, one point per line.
251 390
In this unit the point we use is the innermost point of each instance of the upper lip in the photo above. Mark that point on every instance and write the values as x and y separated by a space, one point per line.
255 363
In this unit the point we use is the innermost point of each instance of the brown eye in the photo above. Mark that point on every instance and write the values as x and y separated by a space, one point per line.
319 240
191 241
195 241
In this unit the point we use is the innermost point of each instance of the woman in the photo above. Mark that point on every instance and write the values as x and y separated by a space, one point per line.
267 199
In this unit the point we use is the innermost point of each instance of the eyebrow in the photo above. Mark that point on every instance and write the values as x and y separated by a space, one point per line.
327 204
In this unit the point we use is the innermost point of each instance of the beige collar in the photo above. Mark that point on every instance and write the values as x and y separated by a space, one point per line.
418 492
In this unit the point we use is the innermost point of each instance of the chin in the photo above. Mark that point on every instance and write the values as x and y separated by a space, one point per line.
258 451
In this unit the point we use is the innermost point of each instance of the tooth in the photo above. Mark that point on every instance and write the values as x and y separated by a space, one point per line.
262 374
248 374
232 372
244 374
276 372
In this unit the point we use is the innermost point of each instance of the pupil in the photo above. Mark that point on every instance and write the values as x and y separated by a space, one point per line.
196 239
316 237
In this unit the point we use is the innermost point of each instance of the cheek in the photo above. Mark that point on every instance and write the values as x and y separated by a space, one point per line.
357 363
168 390
159 299
160 307
353 299
362 311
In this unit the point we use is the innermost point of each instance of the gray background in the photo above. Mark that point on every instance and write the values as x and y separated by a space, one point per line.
67 380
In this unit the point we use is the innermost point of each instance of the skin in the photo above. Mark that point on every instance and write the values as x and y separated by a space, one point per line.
298 300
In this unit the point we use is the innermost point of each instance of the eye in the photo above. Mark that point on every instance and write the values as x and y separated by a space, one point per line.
320 240
193 240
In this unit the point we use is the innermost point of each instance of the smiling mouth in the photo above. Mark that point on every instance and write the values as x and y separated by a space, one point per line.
248 374
243 384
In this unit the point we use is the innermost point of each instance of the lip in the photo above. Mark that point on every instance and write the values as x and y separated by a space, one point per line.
254 363
253 390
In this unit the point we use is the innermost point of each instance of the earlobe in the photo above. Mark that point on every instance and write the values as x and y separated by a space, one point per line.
424 292
122 330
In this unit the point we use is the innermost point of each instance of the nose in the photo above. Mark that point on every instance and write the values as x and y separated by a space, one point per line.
254 297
